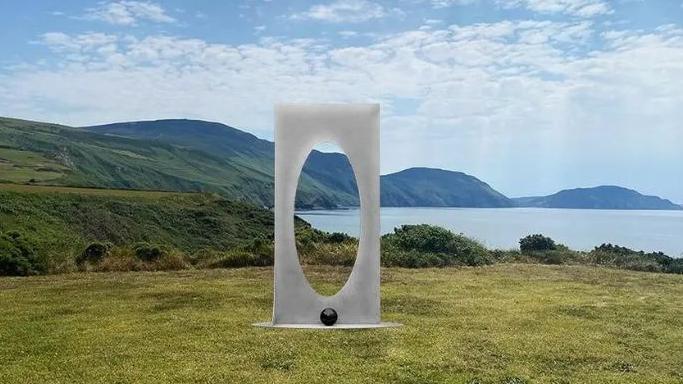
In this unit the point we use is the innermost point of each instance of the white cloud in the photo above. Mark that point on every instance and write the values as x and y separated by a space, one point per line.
346 11
466 97
433 21
448 3
128 12
580 8
347 34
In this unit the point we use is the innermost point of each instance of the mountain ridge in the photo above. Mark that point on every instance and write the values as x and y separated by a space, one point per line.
199 156
326 171
434 186
599 197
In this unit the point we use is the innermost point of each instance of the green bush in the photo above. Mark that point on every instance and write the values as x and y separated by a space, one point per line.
131 259
417 246
149 252
338 237
343 254
536 242
18 256
412 259
262 248
626 258
239 258
94 253
554 256
257 253
203 257
676 266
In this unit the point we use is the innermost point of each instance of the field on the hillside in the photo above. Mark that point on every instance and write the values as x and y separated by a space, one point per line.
130 193
189 156
60 222
499 324
21 166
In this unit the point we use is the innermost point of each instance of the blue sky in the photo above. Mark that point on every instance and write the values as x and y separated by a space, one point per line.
531 96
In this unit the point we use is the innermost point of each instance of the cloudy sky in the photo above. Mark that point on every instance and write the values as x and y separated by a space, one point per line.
531 96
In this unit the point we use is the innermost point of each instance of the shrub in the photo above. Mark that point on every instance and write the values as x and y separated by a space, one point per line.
119 259
148 252
171 261
238 259
554 256
204 256
338 237
128 259
626 258
18 256
412 259
676 266
343 254
262 249
257 253
307 236
536 243
423 245
94 253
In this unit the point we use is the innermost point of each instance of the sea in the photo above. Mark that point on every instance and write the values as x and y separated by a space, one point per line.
501 228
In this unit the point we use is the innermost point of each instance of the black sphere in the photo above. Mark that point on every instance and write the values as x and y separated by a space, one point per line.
328 316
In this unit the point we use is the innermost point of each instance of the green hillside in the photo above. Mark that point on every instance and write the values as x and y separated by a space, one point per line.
326 181
74 157
49 154
427 187
62 222
199 156
327 178
601 197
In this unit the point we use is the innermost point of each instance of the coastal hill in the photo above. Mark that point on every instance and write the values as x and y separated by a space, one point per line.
601 197
428 187
173 155
327 178
199 156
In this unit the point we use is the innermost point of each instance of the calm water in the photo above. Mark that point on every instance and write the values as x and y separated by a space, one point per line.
502 228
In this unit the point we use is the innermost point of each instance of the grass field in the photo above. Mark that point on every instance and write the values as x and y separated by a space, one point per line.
61 222
18 166
129 193
508 323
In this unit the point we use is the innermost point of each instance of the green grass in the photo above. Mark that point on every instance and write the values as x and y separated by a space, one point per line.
88 159
18 166
509 323
52 154
126 193
63 221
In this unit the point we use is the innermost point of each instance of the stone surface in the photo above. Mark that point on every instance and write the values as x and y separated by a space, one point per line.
298 129
326 327
355 129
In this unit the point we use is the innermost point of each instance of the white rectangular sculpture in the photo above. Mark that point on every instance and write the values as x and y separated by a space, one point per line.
299 128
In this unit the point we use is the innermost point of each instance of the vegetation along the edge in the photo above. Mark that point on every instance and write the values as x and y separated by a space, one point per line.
44 230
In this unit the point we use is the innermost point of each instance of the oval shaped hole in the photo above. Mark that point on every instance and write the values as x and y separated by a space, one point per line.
327 221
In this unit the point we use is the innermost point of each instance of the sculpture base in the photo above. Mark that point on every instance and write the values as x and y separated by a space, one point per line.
335 326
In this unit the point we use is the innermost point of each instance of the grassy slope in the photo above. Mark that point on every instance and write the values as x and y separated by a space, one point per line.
63 220
492 324
93 160
191 155
59 155
326 179
18 166
427 187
